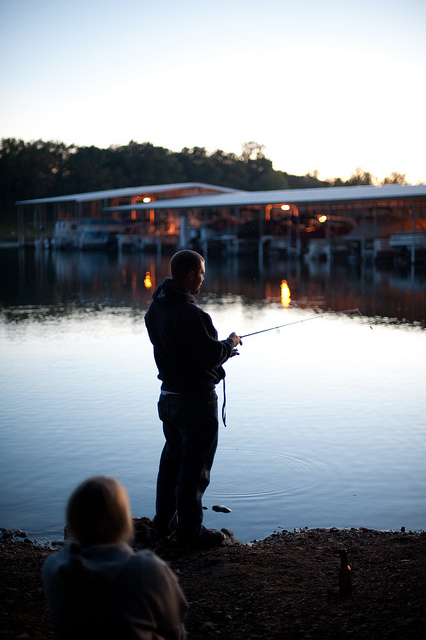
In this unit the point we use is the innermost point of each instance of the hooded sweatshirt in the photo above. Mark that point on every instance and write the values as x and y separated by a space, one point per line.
187 351
111 592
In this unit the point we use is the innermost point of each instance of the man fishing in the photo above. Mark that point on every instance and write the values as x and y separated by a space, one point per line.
189 358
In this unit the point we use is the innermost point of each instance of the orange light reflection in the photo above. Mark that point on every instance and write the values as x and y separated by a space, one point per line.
147 281
285 294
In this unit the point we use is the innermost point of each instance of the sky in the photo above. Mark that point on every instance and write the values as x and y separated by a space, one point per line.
324 86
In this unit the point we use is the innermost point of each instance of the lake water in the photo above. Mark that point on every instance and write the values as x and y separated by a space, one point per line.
325 418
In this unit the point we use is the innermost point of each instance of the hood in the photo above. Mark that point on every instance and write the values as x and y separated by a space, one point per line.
168 293
95 565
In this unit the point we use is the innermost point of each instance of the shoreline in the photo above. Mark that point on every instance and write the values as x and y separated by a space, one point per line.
284 587
46 542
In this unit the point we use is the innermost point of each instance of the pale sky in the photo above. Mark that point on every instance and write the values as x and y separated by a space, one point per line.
327 85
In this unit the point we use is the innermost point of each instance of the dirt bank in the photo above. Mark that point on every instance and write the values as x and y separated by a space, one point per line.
285 587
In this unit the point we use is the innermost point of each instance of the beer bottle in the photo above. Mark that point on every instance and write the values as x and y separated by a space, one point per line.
345 581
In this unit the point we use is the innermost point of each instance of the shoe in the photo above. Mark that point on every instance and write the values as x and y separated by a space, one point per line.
161 532
209 538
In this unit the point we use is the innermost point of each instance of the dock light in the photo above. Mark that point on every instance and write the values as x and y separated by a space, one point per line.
289 207
146 199
322 218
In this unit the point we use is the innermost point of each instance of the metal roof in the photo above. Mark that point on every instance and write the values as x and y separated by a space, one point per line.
290 196
126 191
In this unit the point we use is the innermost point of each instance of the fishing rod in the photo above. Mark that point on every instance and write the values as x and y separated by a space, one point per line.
280 326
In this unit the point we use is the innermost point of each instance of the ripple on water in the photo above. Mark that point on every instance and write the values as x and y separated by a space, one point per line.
246 474
255 474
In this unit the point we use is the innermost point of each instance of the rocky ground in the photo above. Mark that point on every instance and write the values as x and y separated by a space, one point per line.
282 588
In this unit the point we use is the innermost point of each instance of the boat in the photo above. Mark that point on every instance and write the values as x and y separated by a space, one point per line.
406 240
86 234
98 234
65 235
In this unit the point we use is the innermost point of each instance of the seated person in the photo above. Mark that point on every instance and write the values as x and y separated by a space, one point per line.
97 586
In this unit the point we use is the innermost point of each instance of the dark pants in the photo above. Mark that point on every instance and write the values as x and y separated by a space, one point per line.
190 425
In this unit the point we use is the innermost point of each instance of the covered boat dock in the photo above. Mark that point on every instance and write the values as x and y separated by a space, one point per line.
41 219
324 223
357 223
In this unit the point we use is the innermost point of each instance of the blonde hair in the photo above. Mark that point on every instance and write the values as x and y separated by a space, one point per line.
98 512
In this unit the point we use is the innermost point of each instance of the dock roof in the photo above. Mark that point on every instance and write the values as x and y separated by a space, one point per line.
125 191
290 196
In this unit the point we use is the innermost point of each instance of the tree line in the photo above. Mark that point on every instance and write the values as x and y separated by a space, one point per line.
39 169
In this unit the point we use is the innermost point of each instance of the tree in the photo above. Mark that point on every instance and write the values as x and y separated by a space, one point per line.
144 164
395 178
32 169
252 150
360 177
89 170
39 169
336 182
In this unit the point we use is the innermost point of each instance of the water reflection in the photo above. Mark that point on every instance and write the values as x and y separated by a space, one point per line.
325 420
65 280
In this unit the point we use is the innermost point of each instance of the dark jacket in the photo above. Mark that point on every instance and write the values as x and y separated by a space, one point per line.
111 592
187 351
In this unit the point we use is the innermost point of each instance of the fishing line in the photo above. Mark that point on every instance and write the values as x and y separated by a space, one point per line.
322 315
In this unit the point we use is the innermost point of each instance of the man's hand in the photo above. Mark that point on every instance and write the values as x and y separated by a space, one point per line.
236 339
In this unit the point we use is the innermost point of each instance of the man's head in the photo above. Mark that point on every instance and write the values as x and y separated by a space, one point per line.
98 512
187 268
